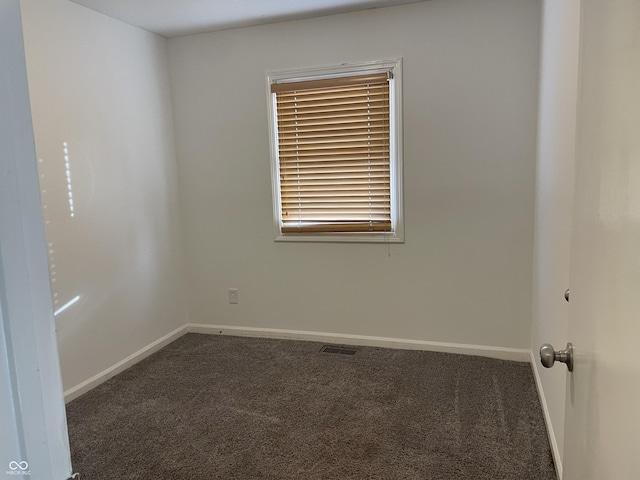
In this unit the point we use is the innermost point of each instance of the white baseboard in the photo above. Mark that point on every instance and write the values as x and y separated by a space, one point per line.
131 360
547 417
503 353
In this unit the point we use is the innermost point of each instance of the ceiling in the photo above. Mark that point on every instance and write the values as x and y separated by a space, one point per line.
172 18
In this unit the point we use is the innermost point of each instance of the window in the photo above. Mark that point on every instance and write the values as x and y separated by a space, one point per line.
336 153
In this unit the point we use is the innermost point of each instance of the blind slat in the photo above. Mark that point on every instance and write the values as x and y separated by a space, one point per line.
338 202
334 139
329 130
336 219
340 181
382 226
335 123
311 167
365 102
337 99
315 139
334 193
349 174
363 219
353 202
307 126
371 116
329 151
337 92
350 184
299 172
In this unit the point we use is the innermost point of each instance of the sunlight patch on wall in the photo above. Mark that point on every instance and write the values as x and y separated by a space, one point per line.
67 169
66 305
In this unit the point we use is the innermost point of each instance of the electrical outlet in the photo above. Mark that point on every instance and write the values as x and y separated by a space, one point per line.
233 295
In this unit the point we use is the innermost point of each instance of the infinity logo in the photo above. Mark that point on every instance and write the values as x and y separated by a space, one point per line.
15 465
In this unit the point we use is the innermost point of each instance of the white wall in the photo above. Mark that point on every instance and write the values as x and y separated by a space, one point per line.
102 87
554 198
470 89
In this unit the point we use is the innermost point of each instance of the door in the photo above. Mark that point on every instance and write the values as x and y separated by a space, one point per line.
33 434
602 428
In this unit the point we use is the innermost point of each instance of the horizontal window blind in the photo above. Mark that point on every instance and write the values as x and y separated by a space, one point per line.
333 148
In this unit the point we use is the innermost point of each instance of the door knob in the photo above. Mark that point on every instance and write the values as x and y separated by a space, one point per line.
566 295
549 356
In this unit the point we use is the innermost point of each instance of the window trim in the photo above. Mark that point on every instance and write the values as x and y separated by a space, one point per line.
395 148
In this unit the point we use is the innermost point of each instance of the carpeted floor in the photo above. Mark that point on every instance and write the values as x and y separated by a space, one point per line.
218 407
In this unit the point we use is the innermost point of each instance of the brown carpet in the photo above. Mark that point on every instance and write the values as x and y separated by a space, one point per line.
217 407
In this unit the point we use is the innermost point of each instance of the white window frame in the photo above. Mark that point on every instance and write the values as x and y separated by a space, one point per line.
395 148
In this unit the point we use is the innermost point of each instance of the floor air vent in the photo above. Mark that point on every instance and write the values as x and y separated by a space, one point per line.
338 350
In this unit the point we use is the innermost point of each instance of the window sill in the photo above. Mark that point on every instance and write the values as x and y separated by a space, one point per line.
341 238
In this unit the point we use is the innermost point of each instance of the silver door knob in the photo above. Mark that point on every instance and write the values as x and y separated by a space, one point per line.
549 356
566 295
